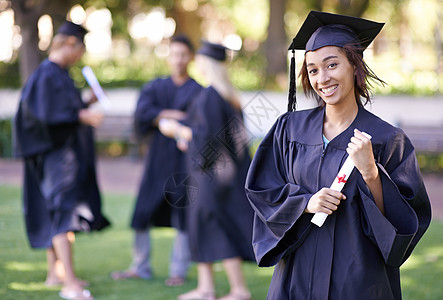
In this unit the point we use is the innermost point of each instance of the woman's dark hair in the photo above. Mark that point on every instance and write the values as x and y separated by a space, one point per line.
363 75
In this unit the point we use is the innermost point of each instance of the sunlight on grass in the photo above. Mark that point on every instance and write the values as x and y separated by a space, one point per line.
266 272
28 287
432 255
167 233
25 266
413 262
435 251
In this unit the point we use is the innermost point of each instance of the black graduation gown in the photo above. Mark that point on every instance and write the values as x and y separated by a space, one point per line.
219 219
357 253
60 187
163 161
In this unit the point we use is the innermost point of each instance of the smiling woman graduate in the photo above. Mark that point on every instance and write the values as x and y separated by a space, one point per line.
375 222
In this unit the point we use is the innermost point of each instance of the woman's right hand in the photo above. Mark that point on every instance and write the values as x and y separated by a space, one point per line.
325 200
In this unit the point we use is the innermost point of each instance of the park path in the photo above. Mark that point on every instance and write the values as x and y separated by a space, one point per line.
122 176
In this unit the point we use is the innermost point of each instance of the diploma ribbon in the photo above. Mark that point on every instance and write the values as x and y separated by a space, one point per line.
338 184
95 86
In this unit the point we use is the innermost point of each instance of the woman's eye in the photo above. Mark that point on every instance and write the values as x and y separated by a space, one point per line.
312 71
332 65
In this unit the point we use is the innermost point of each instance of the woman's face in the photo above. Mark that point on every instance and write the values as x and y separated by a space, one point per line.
331 75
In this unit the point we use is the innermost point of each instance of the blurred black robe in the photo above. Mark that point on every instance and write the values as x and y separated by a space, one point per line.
357 253
60 188
164 162
219 218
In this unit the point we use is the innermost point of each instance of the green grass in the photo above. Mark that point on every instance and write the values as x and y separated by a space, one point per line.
22 270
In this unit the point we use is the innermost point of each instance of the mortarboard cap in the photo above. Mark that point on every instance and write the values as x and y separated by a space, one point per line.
70 28
216 51
322 29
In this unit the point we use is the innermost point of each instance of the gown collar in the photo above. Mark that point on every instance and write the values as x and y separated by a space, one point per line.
306 127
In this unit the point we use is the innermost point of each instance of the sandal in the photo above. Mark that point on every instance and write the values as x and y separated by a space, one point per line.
76 295
197 295
58 282
175 281
124 275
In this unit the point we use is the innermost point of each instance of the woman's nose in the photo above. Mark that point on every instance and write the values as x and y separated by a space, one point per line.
323 76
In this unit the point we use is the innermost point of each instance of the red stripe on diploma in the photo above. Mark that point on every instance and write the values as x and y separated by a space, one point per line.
341 178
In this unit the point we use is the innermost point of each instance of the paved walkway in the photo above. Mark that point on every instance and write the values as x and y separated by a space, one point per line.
122 175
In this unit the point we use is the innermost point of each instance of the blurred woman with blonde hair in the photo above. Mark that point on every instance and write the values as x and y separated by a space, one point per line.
219 221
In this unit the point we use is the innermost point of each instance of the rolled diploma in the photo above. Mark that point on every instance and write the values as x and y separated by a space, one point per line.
95 85
338 184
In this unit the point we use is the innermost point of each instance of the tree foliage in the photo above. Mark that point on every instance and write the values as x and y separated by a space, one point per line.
265 27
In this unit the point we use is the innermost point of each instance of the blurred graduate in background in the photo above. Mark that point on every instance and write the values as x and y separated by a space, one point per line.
53 133
162 99
219 221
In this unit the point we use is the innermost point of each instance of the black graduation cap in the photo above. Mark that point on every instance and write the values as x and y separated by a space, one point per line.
322 29
216 51
70 28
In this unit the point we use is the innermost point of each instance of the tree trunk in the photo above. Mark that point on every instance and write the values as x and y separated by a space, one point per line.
187 23
29 53
26 16
27 13
276 44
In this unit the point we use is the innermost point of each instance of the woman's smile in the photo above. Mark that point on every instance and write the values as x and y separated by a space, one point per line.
329 90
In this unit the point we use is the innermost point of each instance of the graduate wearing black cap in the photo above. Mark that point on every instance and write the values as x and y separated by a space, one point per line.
162 100
376 220
53 134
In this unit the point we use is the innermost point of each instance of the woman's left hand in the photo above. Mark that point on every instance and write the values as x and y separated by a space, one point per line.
360 150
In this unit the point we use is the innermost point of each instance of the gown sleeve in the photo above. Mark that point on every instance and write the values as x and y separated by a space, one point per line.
278 204
51 103
407 207
147 108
